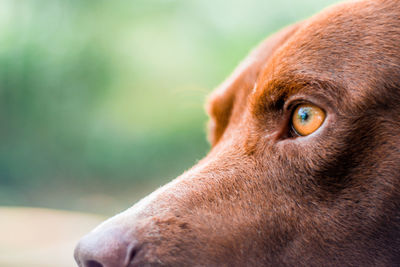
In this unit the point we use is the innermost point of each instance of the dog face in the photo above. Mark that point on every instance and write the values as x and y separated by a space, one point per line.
304 167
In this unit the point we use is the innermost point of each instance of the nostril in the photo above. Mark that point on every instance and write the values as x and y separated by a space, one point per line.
133 249
93 264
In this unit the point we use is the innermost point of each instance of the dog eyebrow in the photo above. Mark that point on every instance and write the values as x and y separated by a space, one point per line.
272 94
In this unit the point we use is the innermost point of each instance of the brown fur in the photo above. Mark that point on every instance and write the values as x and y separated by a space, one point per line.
264 196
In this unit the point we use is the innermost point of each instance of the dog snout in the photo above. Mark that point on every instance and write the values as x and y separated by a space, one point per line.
106 248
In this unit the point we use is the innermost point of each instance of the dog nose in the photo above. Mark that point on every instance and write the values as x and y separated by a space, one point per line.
106 248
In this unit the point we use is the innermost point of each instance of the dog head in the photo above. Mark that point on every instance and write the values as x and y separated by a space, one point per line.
304 167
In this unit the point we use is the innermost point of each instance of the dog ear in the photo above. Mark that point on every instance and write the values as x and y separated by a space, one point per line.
225 105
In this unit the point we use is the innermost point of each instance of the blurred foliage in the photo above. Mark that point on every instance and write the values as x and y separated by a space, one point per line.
106 97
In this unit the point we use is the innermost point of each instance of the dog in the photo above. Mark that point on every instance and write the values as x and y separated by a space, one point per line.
304 168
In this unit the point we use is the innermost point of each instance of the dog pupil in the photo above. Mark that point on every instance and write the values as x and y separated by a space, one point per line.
304 114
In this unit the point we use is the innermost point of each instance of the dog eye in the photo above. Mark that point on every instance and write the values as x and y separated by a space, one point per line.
307 118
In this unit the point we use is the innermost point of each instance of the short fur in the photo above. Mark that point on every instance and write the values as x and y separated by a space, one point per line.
263 197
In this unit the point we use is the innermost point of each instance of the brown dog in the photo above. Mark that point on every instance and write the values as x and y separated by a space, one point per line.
304 168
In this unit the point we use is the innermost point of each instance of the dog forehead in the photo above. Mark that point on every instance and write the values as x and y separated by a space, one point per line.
353 45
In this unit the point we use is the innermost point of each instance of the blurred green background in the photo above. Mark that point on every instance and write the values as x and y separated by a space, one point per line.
102 101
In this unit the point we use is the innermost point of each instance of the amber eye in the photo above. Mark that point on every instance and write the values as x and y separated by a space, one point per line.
307 118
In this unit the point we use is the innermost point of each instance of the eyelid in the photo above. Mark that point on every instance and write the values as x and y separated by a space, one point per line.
295 100
293 104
